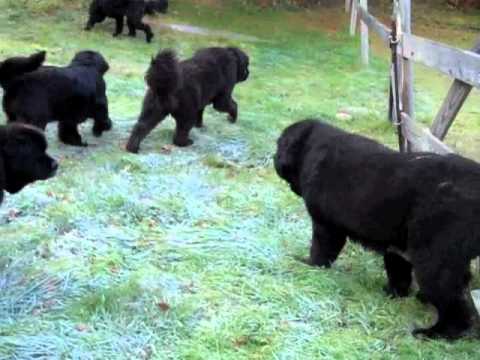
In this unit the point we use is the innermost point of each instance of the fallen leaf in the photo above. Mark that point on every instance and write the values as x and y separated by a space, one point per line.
163 306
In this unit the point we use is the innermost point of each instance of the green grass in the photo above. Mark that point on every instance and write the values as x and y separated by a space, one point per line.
189 254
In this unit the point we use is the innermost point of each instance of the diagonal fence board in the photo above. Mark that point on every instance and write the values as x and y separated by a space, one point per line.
457 94
421 138
375 25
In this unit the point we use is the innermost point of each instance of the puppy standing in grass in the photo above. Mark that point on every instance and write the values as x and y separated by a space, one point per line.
420 210
184 88
23 157
133 10
36 94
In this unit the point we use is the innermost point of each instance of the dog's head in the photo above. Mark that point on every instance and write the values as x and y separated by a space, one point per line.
291 147
242 63
23 157
91 58
154 6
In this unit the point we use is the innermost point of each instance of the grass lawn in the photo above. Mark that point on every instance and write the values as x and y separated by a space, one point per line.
189 253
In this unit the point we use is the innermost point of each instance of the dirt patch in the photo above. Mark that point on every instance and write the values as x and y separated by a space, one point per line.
197 30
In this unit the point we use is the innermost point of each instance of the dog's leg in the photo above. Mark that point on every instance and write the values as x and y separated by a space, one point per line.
95 16
399 273
225 103
199 122
443 279
118 26
68 133
182 130
131 29
136 23
327 242
148 120
101 119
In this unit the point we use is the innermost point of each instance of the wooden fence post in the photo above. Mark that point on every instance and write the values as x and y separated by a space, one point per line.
347 5
407 86
452 104
353 17
364 34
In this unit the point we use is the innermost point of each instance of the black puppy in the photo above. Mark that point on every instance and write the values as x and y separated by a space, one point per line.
68 94
133 10
23 157
419 210
184 88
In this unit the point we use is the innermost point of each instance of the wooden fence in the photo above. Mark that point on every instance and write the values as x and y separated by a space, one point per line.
461 65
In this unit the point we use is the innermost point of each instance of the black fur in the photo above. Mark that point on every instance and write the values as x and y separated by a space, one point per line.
133 10
419 210
68 94
184 88
23 157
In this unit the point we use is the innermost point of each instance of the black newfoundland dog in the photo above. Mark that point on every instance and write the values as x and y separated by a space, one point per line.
23 157
133 10
184 88
420 210
36 94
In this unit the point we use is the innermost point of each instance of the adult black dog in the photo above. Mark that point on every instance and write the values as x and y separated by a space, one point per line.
68 94
23 157
419 210
184 88
134 10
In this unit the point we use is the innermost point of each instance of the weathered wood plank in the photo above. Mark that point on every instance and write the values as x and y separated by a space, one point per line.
407 85
353 17
463 65
364 35
452 104
347 5
375 25
421 139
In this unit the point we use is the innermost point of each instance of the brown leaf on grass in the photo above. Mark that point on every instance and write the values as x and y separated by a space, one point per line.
163 306
166 149
13 213
82 327
241 341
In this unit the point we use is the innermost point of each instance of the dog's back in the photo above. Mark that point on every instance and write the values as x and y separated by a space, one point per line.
207 74
51 92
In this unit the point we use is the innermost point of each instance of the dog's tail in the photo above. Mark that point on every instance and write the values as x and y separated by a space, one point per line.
16 66
164 75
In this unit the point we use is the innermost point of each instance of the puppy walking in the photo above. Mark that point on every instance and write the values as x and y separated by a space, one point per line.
133 10
184 88
36 94
420 210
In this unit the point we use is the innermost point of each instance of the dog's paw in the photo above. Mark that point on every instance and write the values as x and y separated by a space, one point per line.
132 149
422 298
395 292
149 38
183 142
310 262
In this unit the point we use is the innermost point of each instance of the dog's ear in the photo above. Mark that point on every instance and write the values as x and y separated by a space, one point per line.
291 149
242 61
